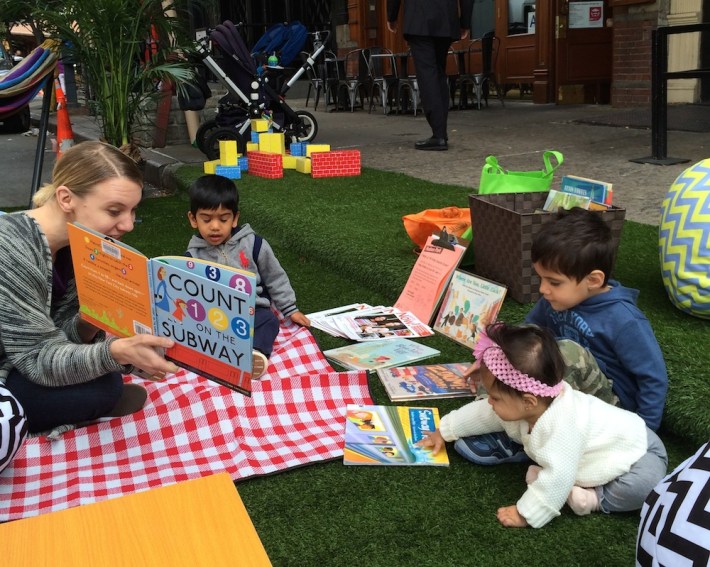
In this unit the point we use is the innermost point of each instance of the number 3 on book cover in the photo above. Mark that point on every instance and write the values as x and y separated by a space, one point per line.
206 308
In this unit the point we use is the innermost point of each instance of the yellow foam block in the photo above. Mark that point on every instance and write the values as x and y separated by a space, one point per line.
303 164
289 162
228 152
272 143
259 125
311 148
210 166
252 147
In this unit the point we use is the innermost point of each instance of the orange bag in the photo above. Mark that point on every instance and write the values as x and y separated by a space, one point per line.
420 226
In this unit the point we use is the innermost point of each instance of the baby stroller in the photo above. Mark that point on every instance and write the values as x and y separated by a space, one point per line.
250 94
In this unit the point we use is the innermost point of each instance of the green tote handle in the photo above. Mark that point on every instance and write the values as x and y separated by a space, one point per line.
546 157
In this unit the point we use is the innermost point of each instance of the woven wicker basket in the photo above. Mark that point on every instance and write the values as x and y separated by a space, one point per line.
503 230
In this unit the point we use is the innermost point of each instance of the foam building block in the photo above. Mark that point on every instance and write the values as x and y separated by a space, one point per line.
229 171
289 162
252 147
228 152
243 163
340 163
273 143
313 148
209 166
255 137
259 125
303 164
265 164
298 148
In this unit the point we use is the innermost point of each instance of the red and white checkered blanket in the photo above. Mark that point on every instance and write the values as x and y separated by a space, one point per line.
189 428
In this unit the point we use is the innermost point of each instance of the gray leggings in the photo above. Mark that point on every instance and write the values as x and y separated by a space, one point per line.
629 491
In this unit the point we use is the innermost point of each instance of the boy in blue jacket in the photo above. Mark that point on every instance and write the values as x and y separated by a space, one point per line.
607 342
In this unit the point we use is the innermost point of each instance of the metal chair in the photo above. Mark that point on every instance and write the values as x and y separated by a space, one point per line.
480 73
408 88
356 78
382 65
315 79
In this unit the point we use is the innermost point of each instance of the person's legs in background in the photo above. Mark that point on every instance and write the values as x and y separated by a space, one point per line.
429 55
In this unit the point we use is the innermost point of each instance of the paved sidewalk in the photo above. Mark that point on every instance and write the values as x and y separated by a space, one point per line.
516 134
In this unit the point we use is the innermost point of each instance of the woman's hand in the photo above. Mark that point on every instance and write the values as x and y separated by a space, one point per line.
434 440
511 518
144 351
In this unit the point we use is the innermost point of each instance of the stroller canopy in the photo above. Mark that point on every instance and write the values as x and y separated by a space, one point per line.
286 40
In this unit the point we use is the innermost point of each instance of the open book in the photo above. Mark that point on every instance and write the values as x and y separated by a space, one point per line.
388 435
206 308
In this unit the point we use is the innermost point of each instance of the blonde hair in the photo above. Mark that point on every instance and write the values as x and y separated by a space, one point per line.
85 165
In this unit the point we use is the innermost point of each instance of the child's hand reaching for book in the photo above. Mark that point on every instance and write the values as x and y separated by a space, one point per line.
300 319
511 518
145 352
433 440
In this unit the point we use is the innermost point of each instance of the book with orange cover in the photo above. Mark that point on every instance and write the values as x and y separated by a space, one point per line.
206 308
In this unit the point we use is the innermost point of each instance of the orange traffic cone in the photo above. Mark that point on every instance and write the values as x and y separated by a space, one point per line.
65 136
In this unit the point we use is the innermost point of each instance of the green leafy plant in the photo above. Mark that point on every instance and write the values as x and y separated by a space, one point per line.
126 49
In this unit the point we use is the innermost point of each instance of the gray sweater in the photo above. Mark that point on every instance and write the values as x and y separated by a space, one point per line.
39 339
236 252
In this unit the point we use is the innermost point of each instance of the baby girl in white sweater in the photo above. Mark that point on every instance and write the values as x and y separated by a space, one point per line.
590 454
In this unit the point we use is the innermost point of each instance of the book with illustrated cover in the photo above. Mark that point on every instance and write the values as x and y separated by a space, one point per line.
469 305
426 382
597 191
325 320
379 354
429 277
561 200
388 435
206 308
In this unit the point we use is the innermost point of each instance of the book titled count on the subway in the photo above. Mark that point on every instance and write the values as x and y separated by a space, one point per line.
206 308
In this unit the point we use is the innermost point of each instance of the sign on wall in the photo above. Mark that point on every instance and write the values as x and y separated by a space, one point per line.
586 14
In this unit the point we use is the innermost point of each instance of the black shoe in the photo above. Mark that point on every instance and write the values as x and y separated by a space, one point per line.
432 144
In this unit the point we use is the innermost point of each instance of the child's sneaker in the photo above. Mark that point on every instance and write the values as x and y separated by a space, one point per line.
259 364
583 501
491 449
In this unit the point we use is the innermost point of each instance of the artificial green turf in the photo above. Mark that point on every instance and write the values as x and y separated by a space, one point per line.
341 241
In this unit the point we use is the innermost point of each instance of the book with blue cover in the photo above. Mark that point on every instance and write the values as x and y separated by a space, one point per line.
388 435
596 191
426 381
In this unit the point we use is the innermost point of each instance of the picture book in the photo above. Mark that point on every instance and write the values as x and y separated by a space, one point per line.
430 275
379 354
360 322
561 200
469 305
388 435
206 308
426 382
324 320
597 191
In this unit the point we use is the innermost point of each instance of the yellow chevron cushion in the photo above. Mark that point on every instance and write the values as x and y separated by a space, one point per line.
684 241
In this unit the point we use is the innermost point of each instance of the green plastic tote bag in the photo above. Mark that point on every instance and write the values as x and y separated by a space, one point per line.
495 179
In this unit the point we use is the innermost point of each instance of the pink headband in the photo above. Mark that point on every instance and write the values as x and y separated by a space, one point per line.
495 360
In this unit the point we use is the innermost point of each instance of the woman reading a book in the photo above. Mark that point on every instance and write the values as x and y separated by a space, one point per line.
57 369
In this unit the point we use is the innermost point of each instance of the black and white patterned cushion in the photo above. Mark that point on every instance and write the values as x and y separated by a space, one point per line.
675 519
13 427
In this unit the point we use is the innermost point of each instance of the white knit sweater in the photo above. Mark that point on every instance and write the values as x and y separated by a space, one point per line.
579 440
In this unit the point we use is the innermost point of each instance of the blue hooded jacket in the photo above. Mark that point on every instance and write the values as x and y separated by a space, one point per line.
620 338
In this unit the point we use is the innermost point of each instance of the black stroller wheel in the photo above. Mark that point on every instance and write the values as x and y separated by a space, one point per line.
224 133
305 129
203 133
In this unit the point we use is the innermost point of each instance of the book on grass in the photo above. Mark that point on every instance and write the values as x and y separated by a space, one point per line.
361 322
206 308
426 382
430 275
469 305
379 354
388 435
325 320
597 191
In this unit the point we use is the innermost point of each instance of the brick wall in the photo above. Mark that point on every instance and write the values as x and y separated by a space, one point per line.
631 74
